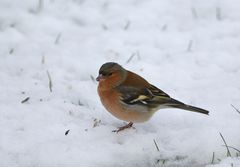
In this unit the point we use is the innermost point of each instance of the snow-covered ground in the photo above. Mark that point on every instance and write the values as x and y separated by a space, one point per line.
189 48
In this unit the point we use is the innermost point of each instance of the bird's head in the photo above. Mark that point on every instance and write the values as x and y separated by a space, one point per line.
111 74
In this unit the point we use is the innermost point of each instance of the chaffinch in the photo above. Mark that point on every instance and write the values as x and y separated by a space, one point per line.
131 98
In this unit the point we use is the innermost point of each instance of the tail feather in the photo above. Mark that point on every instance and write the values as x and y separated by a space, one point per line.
177 104
192 108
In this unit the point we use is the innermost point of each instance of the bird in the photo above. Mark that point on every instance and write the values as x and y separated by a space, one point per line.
131 98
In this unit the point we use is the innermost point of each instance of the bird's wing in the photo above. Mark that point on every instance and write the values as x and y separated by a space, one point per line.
151 97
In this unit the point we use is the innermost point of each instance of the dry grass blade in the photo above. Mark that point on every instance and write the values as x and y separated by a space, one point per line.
138 55
105 27
130 58
66 133
155 143
58 38
11 51
218 13
194 13
236 108
96 122
80 103
228 152
93 79
43 60
164 27
40 5
49 81
127 25
232 148
25 100
189 49
213 157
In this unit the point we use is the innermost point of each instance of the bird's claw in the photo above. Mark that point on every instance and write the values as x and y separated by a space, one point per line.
124 127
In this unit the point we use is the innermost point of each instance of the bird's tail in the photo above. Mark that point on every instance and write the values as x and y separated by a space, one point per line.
177 104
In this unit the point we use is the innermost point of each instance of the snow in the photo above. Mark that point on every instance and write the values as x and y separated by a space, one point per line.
184 48
228 162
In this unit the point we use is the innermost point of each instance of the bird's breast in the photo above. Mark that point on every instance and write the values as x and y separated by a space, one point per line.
112 102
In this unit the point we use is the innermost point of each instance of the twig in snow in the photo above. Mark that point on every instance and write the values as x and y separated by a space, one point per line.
228 152
50 81
189 49
194 13
127 25
80 103
164 27
11 51
43 59
163 161
218 13
96 122
104 26
138 55
232 148
93 79
155 143
70 112
40 5
66 133
12 25
131 57
58 38
25 100
236 108
213 156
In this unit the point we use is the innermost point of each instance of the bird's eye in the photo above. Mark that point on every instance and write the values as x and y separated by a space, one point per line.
109 74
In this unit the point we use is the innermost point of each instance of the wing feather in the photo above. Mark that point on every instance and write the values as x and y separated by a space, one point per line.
150 97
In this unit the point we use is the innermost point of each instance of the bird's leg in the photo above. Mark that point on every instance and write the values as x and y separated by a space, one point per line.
124 127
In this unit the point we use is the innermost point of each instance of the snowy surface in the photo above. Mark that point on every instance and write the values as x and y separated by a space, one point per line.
189 48
228 162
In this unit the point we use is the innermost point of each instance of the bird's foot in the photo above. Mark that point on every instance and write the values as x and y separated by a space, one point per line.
130 125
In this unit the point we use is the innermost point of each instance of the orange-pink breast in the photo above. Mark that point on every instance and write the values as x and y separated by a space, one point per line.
110 100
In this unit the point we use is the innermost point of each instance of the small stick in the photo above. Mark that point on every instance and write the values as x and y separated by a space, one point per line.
80 103
104 26
232 148
164 27
40 5
58 38
11 51
96 122
127 25
138 55
50 81
25 100
213 156
194 13
190 46
155 143
131 57
66 133
228 152
235 108
93 79
218 13
43 59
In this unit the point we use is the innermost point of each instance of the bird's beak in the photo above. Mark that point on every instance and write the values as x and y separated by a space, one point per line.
100 77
